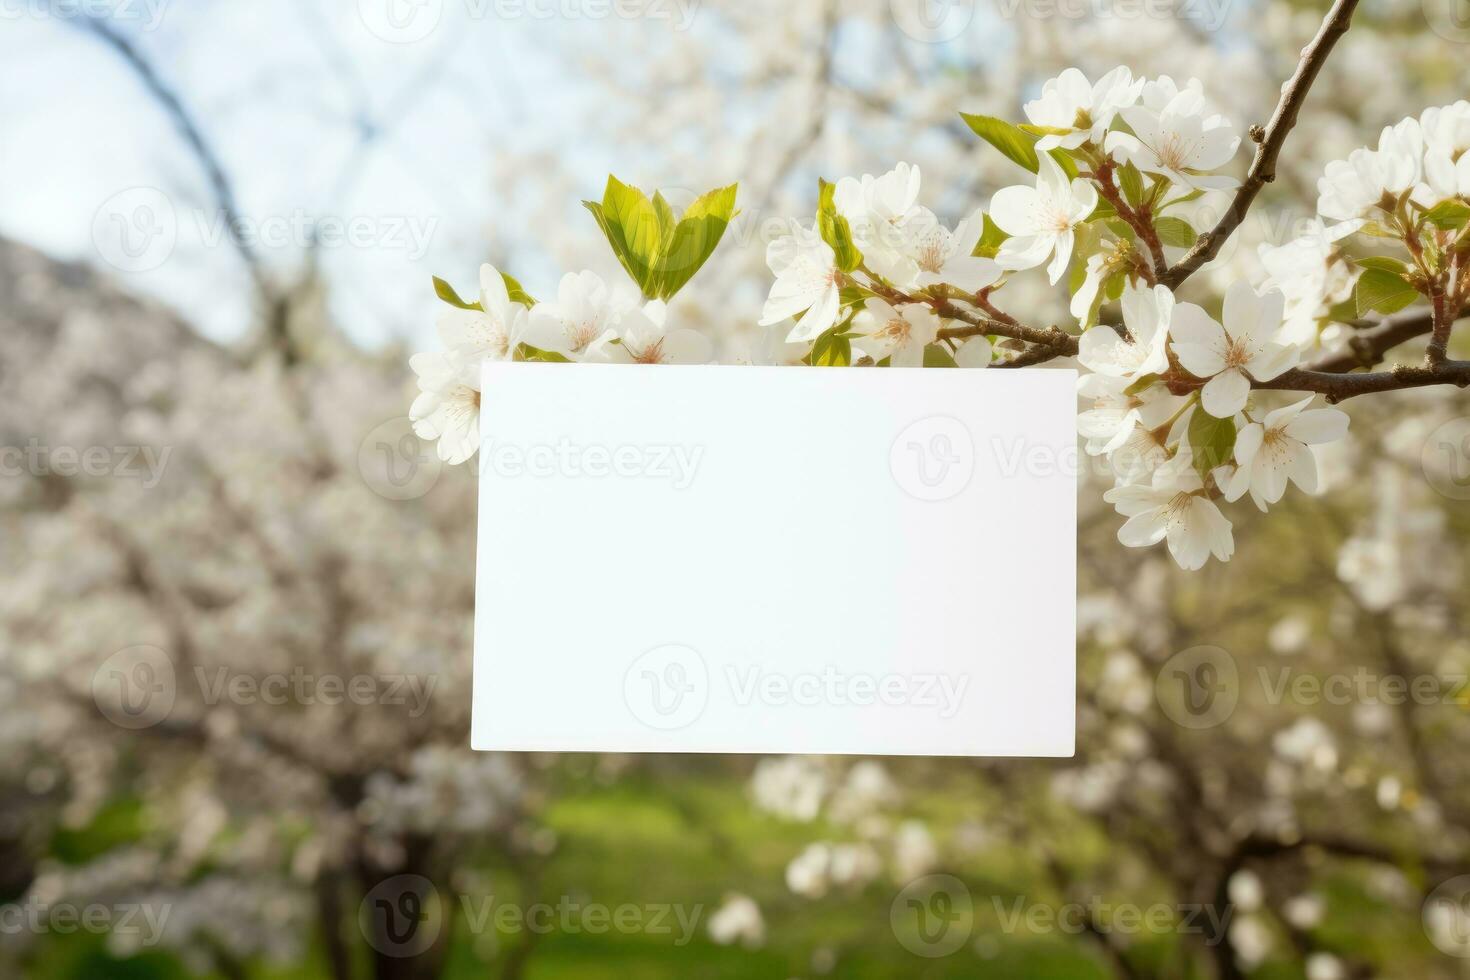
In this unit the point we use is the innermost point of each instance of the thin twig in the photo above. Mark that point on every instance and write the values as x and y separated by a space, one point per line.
1263 167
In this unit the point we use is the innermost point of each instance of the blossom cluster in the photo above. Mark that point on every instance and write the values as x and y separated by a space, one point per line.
1176 399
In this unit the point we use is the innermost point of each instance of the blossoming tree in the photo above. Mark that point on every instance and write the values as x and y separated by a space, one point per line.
1188 409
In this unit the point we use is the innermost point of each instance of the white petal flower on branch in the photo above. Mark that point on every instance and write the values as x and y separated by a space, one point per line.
1271 452
877 209
1042 219
901 333
807 280
1232 354
938 255
448 405
1174 507
1081 109
489 333
1311 276
1183 140
1352 189
585 315
1147 313
643 338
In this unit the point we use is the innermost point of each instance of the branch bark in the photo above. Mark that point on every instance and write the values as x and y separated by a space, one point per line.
1263 168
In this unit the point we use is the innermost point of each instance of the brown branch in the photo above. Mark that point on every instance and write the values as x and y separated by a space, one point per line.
1269 141
1340 386
1142 227
1367 347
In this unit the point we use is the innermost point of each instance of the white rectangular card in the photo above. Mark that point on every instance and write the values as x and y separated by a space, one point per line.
794 560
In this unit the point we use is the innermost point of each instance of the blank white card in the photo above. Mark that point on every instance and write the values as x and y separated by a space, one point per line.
752 559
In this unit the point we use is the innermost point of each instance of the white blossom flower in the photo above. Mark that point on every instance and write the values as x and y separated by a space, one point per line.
877 209
739 919
901 333
1041 219
1269 453
643 338
448 405
1232 354
584 317
1183 140
807 280
1446 131
1351 189
1115 413
1146 313
932 254
489 333
1083 110
1174 507
1311 277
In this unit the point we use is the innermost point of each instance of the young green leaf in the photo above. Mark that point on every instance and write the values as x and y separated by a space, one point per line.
1450 214
1132 183
832 348
991 238
1175 231
1016 143
937 355
1385 262
1212 439
693 238
835 229
446 292
1382 291
631 223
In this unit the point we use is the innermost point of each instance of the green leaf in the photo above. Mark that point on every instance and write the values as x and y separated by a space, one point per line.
1182 198
937 355
1382 291
693 240
631 223
525 352
832 348
1132 183
991 238
835 229
1212 439
1175 231
1449 214
1016 143
446 292
517 294
1385 262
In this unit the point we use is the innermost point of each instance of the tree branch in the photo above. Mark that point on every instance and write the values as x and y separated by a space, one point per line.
1263 167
